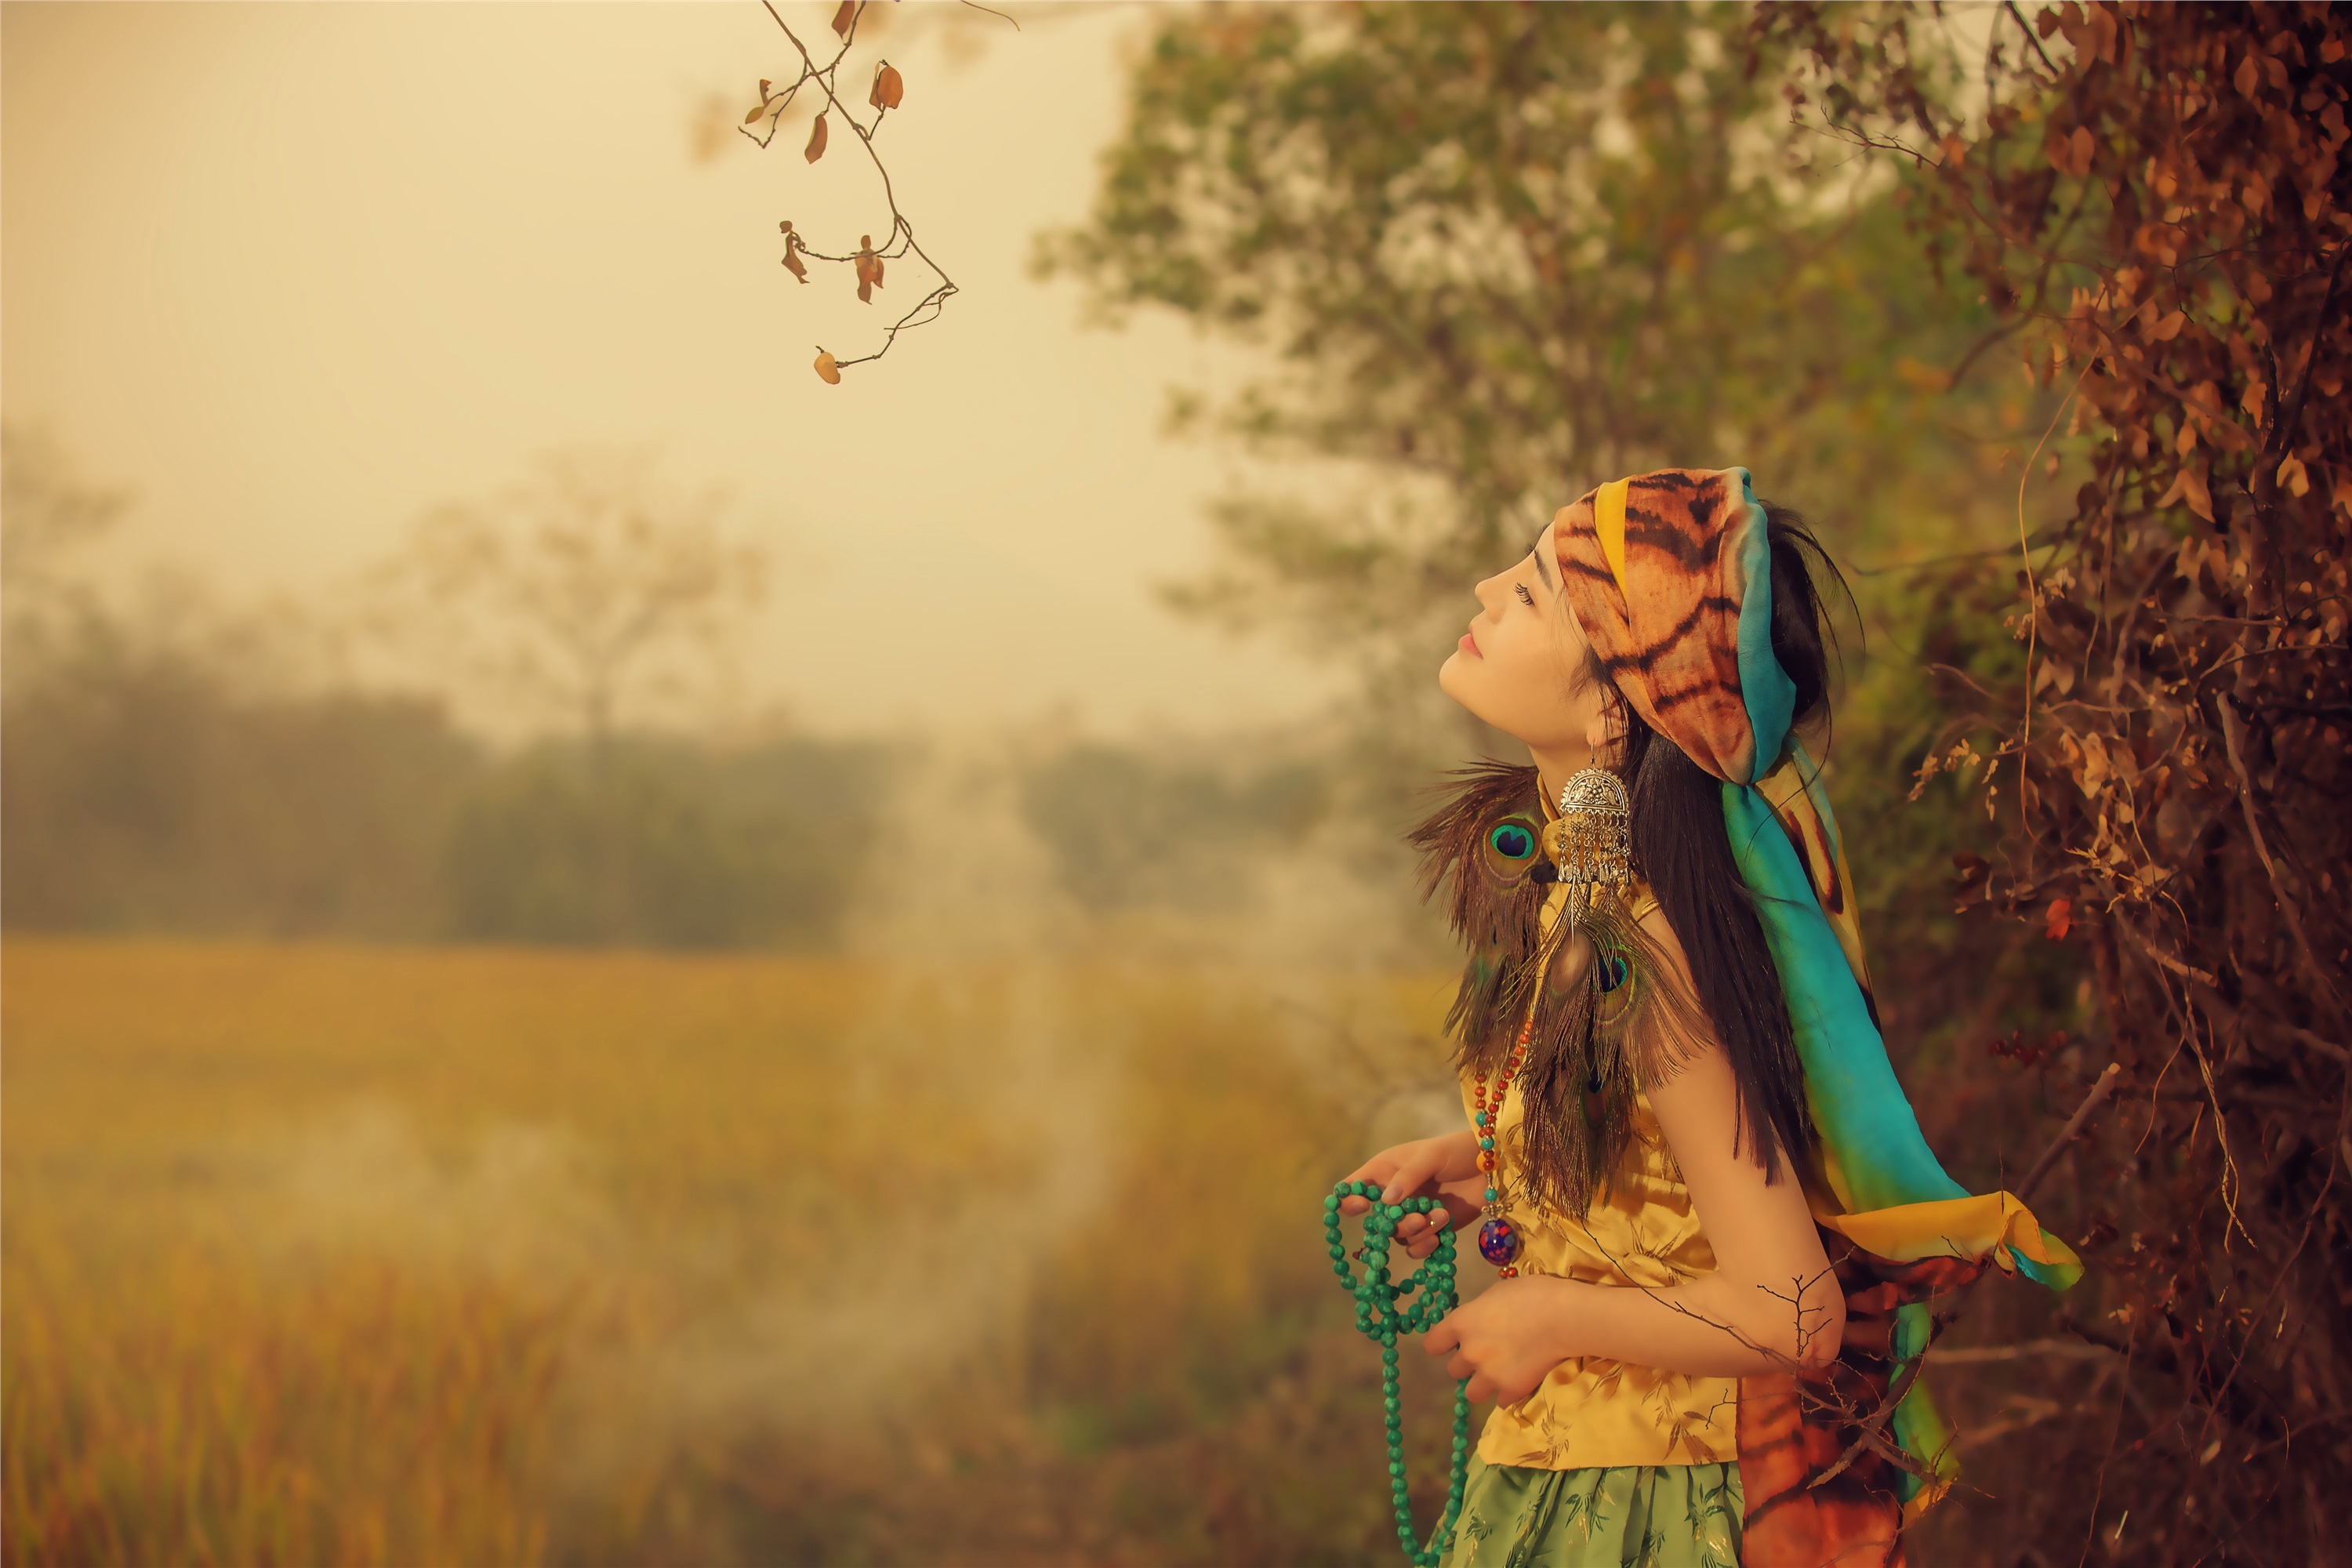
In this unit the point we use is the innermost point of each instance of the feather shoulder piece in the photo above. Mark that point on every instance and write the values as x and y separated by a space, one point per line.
1605 1010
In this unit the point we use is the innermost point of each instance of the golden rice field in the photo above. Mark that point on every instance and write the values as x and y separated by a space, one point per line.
332 1255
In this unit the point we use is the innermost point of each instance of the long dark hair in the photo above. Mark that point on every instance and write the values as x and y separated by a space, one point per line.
1681 849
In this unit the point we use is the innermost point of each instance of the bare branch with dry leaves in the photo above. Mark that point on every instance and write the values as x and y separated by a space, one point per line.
885 93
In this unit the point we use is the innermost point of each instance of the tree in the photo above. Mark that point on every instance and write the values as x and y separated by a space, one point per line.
49 517
1499 253
2154 197
578 595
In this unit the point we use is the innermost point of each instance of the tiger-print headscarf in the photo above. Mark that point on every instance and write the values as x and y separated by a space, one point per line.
1670 576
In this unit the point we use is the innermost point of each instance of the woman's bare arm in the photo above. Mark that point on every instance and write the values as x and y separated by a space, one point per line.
1770 1299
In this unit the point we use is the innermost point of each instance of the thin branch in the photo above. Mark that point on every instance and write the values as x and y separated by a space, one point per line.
2230 726
2031 36
2068 1134
2027 1349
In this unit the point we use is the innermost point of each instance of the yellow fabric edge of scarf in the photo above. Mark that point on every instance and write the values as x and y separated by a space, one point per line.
1994 1223
1609 527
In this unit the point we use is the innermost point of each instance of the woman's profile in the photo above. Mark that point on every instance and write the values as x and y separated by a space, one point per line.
1715 1218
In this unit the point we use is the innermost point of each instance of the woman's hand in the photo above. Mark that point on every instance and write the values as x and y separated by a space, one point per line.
1444 1168
1507 1340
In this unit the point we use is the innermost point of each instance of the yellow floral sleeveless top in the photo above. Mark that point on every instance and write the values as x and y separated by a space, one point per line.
1590 1412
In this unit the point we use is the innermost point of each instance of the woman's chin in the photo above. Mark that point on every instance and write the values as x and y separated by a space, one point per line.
1455 679
1449 675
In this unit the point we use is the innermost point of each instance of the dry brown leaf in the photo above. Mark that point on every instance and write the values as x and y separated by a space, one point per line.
889 88
846 17
815 148
2201 500
756 110
826 371
2059 920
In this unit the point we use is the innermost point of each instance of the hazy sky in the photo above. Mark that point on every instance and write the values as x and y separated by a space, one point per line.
294 272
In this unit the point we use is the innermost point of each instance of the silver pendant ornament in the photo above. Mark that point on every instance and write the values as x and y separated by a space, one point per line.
1591 841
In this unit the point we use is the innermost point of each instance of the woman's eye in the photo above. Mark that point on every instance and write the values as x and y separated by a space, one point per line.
1525 597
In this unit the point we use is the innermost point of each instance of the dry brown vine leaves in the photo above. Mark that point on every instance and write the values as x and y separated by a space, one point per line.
886 93
2155 197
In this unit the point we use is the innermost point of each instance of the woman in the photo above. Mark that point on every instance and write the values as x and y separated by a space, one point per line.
1680 1106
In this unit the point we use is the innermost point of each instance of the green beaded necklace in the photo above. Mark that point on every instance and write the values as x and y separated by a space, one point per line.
1378 1319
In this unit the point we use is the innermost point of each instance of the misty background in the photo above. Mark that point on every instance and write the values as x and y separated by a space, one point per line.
393 265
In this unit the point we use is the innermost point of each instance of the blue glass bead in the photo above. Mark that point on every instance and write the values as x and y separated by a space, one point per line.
1491 1194
1498 1242
1486 1143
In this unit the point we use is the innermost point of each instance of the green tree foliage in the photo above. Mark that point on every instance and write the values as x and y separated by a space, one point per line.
1514 251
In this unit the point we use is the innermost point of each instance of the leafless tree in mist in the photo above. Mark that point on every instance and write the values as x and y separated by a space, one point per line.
581 595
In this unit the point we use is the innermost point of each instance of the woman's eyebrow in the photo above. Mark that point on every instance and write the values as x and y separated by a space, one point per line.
1542 569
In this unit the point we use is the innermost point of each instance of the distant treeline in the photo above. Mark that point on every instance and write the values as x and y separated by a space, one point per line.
140 793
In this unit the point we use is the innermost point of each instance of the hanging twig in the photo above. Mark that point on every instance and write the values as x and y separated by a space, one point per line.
867 260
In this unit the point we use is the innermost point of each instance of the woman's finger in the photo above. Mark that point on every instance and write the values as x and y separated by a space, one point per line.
1409 1177
1444 1337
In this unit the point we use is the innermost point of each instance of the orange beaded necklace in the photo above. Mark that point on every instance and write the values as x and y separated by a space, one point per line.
1498 1239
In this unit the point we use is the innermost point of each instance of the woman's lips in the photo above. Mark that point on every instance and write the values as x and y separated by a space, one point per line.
1469 645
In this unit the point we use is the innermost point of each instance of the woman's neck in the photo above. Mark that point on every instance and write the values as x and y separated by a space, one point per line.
1555 765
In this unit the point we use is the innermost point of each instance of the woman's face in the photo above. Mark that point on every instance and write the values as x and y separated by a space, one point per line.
1521 666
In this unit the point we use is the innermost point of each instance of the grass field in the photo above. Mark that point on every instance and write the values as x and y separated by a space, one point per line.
344 1255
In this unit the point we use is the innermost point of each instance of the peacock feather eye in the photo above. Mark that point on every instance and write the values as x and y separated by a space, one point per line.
1509 850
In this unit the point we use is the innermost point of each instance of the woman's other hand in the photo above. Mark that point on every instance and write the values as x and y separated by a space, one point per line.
1507 1339
1444 1168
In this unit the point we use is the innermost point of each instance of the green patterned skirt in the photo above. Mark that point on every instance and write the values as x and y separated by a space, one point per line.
1663 1516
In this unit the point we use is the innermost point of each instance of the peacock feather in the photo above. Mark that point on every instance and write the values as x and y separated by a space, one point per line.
1611 1015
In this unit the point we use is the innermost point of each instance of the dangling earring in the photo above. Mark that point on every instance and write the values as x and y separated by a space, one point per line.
1591 843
